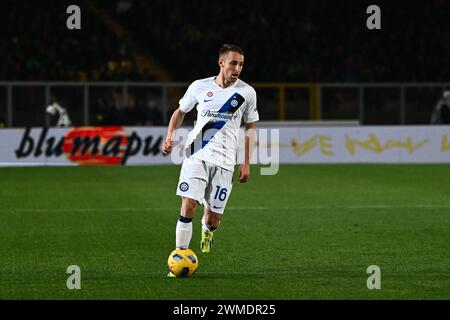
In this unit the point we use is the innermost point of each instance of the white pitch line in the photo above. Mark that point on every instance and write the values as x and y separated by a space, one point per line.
357 207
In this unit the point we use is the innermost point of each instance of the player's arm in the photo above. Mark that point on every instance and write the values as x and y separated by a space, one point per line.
175 121
250 137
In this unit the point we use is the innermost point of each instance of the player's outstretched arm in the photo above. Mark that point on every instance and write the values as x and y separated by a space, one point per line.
250 137
175 121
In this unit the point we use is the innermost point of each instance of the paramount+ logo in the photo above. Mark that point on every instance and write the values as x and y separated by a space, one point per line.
90 145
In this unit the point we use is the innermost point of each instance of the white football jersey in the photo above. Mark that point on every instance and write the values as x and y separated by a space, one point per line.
220 111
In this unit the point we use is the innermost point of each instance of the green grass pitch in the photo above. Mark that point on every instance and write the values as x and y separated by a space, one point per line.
309 232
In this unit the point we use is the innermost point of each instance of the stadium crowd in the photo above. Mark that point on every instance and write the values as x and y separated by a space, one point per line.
286 41
35 45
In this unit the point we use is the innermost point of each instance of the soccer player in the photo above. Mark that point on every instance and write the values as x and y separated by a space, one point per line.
206 174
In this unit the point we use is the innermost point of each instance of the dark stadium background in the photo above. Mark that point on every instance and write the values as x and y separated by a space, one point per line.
308 232
177 41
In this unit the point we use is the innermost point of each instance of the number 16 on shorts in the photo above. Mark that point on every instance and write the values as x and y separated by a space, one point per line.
219 199
221 193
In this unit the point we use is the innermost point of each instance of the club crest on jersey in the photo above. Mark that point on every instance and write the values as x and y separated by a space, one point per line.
209 94
184 186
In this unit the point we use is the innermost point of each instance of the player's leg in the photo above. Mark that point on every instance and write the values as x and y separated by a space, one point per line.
183 231
210 222
191 187
216 197
184 225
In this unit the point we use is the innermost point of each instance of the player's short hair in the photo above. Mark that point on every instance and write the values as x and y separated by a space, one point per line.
230 47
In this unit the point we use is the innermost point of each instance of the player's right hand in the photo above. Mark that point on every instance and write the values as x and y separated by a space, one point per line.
167 146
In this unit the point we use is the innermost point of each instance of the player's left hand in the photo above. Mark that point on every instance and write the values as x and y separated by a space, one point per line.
244 173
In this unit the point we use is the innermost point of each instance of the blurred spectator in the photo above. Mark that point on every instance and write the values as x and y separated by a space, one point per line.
132 115
58 115
441 113
152 115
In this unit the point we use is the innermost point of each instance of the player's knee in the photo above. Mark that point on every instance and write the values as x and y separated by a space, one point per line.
188 207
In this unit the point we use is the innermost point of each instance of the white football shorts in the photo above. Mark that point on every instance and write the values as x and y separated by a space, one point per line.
207 183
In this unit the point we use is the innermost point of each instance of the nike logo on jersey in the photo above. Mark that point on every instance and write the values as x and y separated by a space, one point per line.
208 100
215 207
